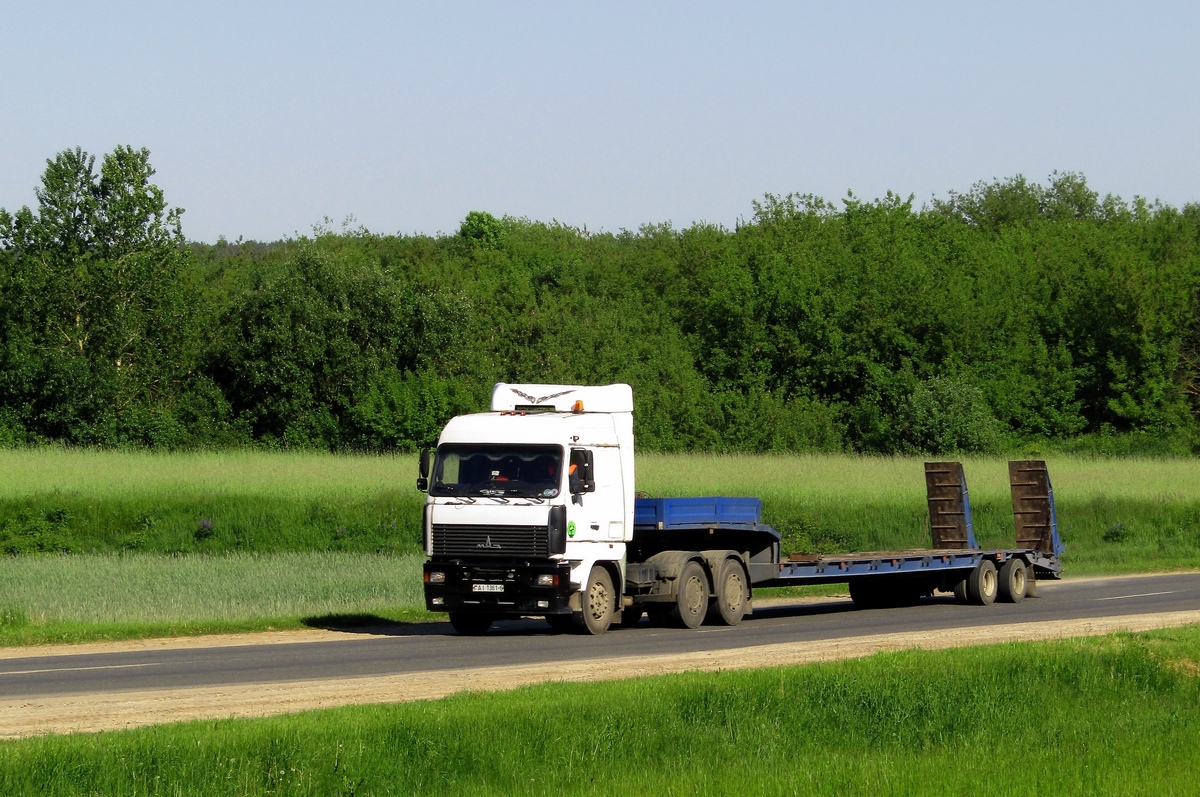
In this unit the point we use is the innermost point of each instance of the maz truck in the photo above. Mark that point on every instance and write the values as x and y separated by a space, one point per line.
531 511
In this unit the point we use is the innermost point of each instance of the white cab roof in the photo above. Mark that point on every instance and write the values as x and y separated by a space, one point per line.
602 398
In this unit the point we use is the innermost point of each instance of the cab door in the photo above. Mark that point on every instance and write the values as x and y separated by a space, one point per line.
597 493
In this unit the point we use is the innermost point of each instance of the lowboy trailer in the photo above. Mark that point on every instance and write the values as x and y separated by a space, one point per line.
531 512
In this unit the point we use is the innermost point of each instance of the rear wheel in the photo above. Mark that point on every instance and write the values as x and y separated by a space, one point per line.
960 592
982 584
470 624
732 593
599 602
691 602
1014 581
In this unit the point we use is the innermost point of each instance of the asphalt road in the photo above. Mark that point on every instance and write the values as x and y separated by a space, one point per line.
397 649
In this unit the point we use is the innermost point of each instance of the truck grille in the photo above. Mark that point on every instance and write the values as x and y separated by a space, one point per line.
497 541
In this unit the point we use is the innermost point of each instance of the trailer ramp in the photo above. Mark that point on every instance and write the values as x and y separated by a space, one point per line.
949 506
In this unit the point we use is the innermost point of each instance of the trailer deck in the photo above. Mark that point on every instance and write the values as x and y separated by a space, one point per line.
954 556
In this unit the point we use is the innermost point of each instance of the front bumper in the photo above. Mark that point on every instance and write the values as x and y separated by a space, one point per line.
499 588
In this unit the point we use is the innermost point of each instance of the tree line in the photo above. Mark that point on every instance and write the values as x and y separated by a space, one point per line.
1011 315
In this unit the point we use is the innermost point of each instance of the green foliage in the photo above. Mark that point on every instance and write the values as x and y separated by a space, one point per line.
482 229
97 332
1012 315
29 531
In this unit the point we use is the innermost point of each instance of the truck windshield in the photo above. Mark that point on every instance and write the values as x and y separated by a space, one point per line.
497 470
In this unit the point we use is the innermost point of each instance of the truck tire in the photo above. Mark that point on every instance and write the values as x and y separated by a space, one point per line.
732 594
960 592
598 600
470 624
1014 581
982 584
691 600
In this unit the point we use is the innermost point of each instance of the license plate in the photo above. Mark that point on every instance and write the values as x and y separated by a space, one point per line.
487 588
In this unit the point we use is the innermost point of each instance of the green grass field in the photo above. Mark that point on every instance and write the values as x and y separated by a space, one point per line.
1108 715
110 544
113 596
103 501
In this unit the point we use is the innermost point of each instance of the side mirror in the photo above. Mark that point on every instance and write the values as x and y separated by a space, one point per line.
423 471
587 482
557 529
583 480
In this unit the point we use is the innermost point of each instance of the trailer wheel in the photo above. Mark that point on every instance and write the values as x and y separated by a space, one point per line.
598 602
470 624
732 593
960 592
691 601
1030 583
982 584
1014 581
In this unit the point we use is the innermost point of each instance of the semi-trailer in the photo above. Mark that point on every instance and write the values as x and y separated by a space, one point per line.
531 511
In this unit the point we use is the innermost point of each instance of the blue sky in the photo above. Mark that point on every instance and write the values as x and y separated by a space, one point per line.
264 118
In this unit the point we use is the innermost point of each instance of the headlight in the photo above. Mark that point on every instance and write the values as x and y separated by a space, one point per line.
435 578
547 580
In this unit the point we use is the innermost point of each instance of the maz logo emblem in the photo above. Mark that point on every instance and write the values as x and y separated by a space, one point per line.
487 543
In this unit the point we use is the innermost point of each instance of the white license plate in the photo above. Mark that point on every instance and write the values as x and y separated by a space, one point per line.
487 588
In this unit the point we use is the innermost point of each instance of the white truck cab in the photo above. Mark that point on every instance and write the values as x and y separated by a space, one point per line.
530 507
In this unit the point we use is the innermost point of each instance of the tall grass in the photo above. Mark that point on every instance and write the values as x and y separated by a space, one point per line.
83 500
1115 715
73 597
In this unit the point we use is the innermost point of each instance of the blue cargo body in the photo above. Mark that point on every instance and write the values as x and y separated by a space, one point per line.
695 513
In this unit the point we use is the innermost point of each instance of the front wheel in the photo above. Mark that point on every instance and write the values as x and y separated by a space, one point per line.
599 602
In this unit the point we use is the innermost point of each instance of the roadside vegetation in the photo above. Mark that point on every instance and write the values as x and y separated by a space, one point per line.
107 545
1105 715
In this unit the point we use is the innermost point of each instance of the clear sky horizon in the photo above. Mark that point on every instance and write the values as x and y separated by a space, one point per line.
263 119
